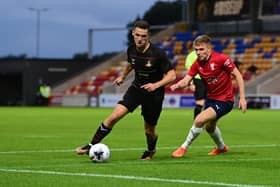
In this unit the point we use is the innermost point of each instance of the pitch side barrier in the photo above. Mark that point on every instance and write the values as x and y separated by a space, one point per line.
255 101
170 100
262 101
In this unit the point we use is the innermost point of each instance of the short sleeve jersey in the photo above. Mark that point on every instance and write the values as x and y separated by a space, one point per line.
216 75
190 59
149 66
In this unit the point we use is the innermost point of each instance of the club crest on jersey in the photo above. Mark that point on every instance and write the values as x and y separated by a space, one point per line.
133 61
148 64
212 66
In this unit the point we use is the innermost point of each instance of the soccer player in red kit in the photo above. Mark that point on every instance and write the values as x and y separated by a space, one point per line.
216 71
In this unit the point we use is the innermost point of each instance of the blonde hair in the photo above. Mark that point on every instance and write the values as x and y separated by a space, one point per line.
202 39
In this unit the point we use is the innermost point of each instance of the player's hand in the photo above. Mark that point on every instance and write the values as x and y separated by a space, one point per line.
149 87
243 104
192 87
118 81
174 86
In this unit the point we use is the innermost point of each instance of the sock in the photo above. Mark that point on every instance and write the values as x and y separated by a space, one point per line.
197 110
193 133
217 137
151 142
101 132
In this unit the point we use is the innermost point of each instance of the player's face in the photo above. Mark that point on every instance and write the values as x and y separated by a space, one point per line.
141 37
203 51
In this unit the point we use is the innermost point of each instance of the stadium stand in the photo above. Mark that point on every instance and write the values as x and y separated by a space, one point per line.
92 80
262 50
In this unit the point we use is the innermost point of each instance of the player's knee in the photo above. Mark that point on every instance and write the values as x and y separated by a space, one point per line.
150 122
199 122
149 130
113 118
210 128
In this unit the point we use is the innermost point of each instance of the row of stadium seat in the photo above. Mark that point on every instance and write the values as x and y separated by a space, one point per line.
262 51
93 86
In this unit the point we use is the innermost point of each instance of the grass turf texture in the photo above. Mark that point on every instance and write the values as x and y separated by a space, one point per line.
37 149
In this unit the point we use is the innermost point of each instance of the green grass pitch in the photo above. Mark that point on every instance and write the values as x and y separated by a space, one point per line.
37 149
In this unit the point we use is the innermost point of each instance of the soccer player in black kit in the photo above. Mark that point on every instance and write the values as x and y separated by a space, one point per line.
153 71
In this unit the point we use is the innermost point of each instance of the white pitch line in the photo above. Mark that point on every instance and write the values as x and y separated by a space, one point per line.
135 149
140 178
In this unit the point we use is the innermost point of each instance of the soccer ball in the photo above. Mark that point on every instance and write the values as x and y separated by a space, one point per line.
99 153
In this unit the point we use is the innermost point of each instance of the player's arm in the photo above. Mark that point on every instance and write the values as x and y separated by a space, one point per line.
127 69
240 82
167 78
182 83
186 81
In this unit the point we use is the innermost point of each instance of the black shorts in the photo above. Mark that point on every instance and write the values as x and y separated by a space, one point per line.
221 107
200 89
151 104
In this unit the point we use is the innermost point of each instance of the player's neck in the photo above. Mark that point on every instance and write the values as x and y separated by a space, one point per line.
143 49
206 59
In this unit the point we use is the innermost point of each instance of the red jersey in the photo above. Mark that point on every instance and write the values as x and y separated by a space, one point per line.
216 75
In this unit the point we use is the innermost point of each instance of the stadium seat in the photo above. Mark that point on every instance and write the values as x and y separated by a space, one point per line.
263 50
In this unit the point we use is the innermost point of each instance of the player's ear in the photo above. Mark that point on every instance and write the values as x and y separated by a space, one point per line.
133 32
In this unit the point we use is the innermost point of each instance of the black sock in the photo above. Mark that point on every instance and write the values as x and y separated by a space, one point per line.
101 132
197 110
151 141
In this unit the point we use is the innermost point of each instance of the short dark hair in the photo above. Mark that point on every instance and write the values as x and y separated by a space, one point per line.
142 24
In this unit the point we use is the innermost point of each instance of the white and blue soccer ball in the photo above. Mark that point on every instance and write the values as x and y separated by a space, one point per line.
99 153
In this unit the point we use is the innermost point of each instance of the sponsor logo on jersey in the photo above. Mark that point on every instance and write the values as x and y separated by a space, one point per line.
148 64
227 63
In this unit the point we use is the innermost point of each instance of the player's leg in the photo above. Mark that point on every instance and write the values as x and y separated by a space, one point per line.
199 95
151 140
198 107
221 109
128 104
215 133
205 116
105 128
216 136
151 109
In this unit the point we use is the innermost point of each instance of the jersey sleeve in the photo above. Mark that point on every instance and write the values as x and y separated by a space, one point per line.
228 64
128 55
193 70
